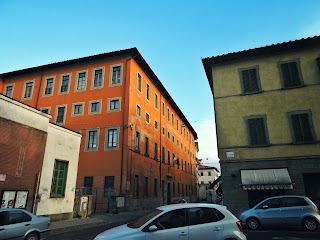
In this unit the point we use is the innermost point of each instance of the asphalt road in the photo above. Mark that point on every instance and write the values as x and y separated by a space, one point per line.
270 234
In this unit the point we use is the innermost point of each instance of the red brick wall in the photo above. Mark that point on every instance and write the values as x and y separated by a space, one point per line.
21 156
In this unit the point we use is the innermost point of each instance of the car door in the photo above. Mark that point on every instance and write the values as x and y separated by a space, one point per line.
18 224
204 224
293 210
171 226
269 212
3 224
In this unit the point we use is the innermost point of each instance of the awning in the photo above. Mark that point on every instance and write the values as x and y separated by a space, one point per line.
266 179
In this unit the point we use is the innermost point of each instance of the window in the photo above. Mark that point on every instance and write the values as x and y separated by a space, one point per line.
177 124
116 75
202 215
301 125
28 90
9 91
95 107
201 173
290 73
45 110
97 79
13 217
148 92
163 131
77 109
156 101
114 104
87 185
172 138
81 81
169 156
146 186
168 135
162 110
65 84
257 131
138 111
49 87
59 179
168 115
156 151
146 146
112 138
92 139
172 219
108 185
250 82
137 144
155 124
294 202
172 119
162 154
60 114
147 118
155 188
139 80
136 186
209 173
271 203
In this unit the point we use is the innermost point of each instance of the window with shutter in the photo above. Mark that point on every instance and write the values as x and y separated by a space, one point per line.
291 74
257 131
301 127
250 80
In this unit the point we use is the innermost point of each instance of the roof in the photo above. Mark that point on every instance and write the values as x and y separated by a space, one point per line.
304 43
189 205
203 167
131 52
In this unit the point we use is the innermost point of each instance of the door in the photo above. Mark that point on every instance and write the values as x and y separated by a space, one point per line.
204 224
171 226
269 212
293 209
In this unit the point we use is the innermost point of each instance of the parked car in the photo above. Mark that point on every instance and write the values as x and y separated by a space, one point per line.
190 221
21 224
283 210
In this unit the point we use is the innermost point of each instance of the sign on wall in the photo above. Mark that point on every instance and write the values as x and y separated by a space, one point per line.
14 199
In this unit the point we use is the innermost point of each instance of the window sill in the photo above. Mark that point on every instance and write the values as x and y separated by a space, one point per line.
251 93
293 87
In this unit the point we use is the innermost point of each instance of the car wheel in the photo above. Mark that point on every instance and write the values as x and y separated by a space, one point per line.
310 224
32 236
253 223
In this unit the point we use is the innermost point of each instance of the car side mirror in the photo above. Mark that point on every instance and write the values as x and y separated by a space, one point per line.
153 228
265 207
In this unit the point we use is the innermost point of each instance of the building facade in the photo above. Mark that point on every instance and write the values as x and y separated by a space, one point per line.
268 122
207 176
138 149
39 161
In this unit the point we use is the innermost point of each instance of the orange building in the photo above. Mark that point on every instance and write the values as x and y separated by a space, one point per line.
138 150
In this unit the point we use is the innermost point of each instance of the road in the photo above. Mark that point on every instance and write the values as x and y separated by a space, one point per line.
288 234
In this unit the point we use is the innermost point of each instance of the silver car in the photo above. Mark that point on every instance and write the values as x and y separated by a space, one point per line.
21 224
185 221
283 210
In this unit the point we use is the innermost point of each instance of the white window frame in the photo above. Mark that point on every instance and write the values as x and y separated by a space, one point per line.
90 106
73 114
61 81
109 102
77 81
93 76
111 74
25 87
46 84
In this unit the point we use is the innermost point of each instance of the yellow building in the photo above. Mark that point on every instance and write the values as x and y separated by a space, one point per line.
267 108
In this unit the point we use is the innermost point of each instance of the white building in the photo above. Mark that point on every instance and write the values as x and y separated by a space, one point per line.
207 176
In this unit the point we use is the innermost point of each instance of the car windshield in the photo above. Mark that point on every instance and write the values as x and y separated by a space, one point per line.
142 220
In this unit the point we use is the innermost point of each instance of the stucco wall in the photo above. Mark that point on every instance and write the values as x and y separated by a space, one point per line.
62 144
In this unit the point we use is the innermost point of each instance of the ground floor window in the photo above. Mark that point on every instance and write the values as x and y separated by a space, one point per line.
59 179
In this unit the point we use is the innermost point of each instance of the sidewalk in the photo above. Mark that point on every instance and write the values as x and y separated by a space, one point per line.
96 219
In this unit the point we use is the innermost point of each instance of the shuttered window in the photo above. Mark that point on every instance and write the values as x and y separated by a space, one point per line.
301 127
257 131
250 80
59 179
291 74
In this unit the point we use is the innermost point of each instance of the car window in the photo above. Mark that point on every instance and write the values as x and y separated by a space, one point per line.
173 219
219 214
202 215
3 218
142 220
18 217
294 201
271 203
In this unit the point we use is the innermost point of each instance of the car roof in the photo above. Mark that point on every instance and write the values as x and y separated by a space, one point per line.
281 196
190 205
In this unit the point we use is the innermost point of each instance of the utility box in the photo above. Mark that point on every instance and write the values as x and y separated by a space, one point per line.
84 204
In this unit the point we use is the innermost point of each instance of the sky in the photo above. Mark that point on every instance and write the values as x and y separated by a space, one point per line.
172 36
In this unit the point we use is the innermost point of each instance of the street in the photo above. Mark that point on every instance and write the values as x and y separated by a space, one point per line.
269 234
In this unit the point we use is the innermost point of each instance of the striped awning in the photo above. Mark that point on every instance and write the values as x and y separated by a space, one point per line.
266 179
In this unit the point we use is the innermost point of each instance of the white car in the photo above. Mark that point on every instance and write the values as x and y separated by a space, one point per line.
187 221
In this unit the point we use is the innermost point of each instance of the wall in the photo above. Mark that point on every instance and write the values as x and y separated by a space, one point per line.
62 144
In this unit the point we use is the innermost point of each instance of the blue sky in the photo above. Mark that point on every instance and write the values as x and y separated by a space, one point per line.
172 36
